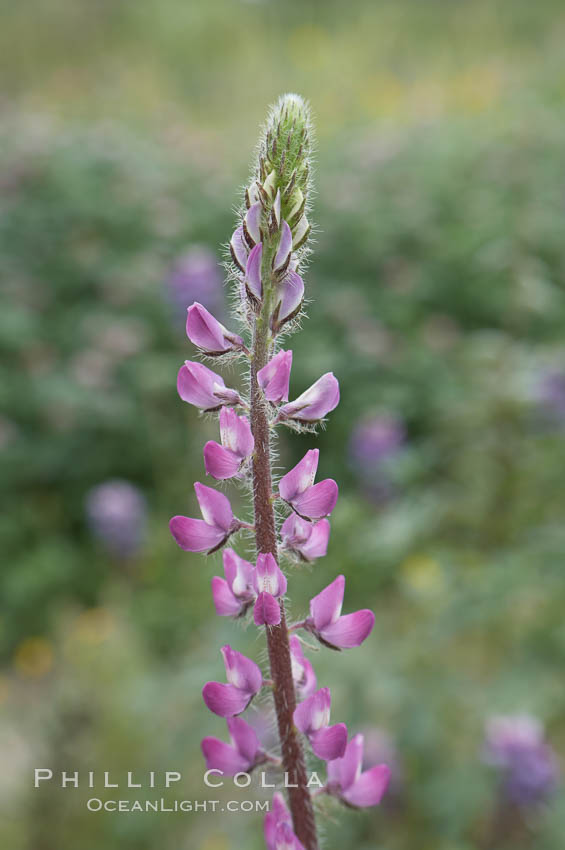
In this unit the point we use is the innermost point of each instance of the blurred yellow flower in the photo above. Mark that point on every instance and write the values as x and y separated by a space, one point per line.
34 657
423 574
475 89
94 625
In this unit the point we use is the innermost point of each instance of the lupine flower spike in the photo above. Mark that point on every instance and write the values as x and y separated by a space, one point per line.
268 249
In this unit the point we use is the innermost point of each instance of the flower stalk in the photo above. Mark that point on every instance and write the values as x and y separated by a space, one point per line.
284 694
268 249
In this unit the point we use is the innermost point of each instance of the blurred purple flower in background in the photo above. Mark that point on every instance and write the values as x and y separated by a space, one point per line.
516 746
380 747
116 512
375 441
195 276
551 395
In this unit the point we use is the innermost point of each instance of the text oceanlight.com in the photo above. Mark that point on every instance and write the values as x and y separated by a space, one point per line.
187 806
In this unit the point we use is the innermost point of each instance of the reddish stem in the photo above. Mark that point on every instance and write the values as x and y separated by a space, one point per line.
277 636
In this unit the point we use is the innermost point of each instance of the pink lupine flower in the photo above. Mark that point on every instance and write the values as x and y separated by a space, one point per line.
277 815
302 670
233 595
225 460
239 249
282 257
240 756
312 717
297 488
203 388
253 272
208 534
315 402
309 540
332 629
252 224
349 784
290 293
208 334
244 681
275 376
270 583
285 839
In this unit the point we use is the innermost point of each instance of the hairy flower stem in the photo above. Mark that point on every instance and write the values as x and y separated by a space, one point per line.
277 636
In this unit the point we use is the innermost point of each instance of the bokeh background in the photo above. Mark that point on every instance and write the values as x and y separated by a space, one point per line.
438 300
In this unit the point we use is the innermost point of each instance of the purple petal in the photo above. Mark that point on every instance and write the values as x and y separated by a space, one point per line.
302 670
253 221
267 610
235 433
239 573
314 713
225 395
295 531
207 333
350 630
275 376
300 477
225 603
278 814
215 507
219 462
325 608
225 700
284 249
285 839
318 501
329 743
238 249
369 788
195 384
268 576
244 738
348 769
221 756
241 671
309 683
194 535
317 544
291 294
315 402
253 271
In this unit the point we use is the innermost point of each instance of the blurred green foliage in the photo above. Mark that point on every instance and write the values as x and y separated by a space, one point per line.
437 298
